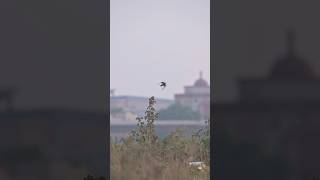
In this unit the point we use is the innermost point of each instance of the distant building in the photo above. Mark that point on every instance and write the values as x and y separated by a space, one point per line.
136 104
197 97
123 117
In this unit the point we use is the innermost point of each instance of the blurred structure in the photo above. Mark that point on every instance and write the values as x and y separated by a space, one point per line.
56 127
123 117
7 96
112 92
136 104
197 97
279 113
52 144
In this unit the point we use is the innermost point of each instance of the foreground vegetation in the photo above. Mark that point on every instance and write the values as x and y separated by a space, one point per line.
144 156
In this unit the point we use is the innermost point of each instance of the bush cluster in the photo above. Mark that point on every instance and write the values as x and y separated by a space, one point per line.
144 156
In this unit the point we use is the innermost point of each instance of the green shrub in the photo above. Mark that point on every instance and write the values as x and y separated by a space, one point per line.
178 112
116 110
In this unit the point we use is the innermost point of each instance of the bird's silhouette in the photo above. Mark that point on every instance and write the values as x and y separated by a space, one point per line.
163 84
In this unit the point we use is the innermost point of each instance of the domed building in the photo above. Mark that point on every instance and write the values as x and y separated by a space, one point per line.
279 112
291 79
291 65
197 97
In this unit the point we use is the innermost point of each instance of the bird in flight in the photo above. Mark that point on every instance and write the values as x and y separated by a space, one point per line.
163 84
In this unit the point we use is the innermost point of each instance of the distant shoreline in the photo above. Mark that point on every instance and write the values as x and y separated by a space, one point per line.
163 122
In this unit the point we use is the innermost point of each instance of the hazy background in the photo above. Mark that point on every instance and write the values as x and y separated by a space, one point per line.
54 53
153 41
250 35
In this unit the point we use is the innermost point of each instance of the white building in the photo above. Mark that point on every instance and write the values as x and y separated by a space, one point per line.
197 97
137 104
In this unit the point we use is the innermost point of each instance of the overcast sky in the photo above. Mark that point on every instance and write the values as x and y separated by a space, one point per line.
158 40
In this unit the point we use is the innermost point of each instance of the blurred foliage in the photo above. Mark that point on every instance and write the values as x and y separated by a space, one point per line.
145 133
90 177
178 112
116 110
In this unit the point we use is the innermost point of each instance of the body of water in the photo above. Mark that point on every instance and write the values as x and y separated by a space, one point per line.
163 128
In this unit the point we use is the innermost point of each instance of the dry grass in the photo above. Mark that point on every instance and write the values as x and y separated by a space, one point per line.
167 159
143 156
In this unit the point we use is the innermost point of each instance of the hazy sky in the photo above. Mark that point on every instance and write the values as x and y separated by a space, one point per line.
158 40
